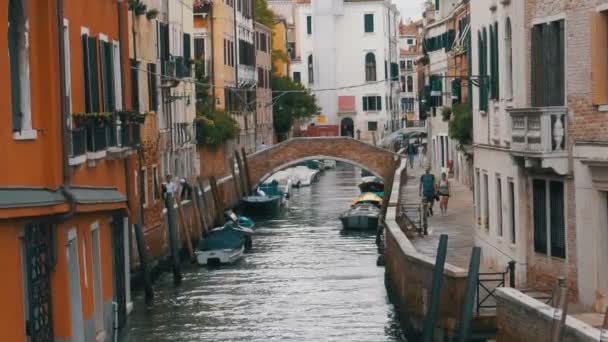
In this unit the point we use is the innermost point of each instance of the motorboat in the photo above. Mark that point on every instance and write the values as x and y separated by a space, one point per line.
261 203
222 245
372 184
329 164
364 213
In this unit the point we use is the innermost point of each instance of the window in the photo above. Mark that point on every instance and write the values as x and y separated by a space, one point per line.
19 60
107 79
410 84
135 85
410 41
311 73
547 62
494 88
549 224
509 58
477 197
599 56
309 25
225 52
372 103
118 76
97 279
372 126
297 76
407 105
402 65
499 205
67 75
152 89
370 67
260 77
512 211
368 20
402 84
155 184
482 63
437 5
410 65
486 204
144 179
199 48
91 76
263 41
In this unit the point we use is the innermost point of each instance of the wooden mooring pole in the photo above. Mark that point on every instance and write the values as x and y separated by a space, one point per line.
185 228
173 238
437 282
246 171
217 201
560 302
469 295
205 208
242 180
234 178
198 213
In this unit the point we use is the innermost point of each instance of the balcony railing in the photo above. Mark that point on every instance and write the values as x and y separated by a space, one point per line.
182 68
538 130
540 135
97 139
247 74
79 142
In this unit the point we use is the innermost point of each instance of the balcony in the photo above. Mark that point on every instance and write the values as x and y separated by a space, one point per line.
169 74
78 146
182 68
247 75
539 135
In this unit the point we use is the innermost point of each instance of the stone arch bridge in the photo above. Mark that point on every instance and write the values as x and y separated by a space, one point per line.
379 161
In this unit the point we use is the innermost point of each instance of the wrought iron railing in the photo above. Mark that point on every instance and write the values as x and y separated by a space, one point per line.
97 138
136 135
79 142
488 282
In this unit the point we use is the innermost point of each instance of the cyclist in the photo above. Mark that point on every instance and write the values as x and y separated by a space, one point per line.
427 188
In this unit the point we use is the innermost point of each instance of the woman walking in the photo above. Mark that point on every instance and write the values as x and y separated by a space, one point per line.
444 193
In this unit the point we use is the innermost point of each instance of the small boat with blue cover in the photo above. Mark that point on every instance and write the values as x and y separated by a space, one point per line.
223 245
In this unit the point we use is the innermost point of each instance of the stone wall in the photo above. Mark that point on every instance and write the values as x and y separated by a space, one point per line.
522 318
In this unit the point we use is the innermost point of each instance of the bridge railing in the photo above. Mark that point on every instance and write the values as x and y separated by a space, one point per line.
415 124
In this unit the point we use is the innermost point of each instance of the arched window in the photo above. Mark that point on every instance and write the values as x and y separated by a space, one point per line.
311 73
19 66
370 67
410 84
509 58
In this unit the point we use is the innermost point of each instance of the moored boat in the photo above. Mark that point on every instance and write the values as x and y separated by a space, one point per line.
223 245
372 184
364 213
261 204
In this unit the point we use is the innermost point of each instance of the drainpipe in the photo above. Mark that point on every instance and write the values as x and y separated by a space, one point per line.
65 116
212 60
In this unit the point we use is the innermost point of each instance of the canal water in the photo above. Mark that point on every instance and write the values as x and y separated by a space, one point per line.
304 280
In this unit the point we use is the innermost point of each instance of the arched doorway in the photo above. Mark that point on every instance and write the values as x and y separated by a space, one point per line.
347 128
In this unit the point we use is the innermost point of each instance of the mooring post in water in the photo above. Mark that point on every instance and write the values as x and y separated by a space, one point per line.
217 201
469 295
246 169
431 315
173 239
143 262
198 217
242 180
184 224
234 178
204 205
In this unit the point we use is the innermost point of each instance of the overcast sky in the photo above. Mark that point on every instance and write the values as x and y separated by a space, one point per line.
410 8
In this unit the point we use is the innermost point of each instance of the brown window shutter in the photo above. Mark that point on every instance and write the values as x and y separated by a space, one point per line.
599 57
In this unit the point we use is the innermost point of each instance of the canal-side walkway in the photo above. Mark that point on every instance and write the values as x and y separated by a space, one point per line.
458 223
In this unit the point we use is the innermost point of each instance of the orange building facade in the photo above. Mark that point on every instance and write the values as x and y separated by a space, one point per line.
66 158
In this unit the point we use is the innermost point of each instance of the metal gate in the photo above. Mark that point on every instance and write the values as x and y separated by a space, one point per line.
118 247
38 248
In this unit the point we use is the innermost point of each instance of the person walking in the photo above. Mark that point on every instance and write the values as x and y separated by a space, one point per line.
411 153
427 188
422 155
444 193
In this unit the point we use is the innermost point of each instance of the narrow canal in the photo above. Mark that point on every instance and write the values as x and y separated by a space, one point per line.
304 280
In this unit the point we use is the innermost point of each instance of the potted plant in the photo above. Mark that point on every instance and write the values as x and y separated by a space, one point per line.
202 6
446 113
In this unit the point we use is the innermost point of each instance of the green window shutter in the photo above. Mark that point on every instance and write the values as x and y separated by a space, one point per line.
135 84
152 87
94 74
456 91
369 23
87 74
365 107
437 5
297 77
13 48
309 24
106 75
385 70
378 102
496 64
187 50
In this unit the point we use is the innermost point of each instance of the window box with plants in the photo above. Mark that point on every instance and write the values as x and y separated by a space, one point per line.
130 128
202 7
214 129
97 127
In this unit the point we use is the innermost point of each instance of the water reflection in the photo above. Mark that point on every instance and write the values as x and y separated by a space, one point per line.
303 281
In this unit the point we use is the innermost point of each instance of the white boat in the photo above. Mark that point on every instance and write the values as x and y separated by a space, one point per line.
303 176
219 256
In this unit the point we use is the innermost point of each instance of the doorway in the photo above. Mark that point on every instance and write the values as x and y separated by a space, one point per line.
75 295
347 128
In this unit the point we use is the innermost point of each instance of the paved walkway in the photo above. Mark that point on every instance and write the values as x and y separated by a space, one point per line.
458 222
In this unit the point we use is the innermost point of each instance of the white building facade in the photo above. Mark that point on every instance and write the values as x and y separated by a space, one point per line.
409 52
346 53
